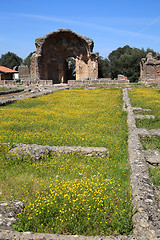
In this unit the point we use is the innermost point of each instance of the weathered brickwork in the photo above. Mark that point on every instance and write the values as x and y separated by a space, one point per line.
150 69
49 61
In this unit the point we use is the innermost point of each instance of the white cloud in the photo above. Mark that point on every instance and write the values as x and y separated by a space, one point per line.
74 22
139 33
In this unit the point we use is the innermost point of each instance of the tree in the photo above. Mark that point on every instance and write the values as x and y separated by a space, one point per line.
27 60
10 60
103 67
70 68
126 61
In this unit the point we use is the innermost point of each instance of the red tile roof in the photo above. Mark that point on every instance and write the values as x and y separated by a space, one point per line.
7 70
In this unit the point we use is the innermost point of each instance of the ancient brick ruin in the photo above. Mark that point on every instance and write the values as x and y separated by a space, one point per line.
150 69
49 61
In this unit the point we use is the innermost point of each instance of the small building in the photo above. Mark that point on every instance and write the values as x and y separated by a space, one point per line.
8 74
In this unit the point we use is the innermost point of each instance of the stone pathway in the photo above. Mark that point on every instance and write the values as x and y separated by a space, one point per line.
146 212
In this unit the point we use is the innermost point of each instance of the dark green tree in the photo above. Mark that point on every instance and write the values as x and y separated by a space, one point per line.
103 67
27 60
10 60
126 61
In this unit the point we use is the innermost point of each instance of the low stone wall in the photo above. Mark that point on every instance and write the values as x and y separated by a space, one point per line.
26 81
38 151
36 82
101 82
8 82
151 82
13 235
8 213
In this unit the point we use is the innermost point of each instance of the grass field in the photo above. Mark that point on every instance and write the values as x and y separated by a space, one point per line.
69 194
149 98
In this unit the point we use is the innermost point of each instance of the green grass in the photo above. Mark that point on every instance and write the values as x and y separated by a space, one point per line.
151 143
69 194
148 123
155 173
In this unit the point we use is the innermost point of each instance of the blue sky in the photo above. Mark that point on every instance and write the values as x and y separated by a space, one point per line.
111 24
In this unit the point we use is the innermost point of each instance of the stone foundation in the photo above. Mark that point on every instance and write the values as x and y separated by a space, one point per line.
146 215
101 82
38 151
26 82
8 213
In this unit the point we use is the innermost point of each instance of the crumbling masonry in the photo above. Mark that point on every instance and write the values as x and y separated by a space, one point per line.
49 61
150 69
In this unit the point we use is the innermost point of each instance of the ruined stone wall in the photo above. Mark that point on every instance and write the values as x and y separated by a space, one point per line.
33 67
49 61
150 69
23 72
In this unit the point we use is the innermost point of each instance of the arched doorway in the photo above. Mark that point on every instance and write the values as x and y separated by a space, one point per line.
49 61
